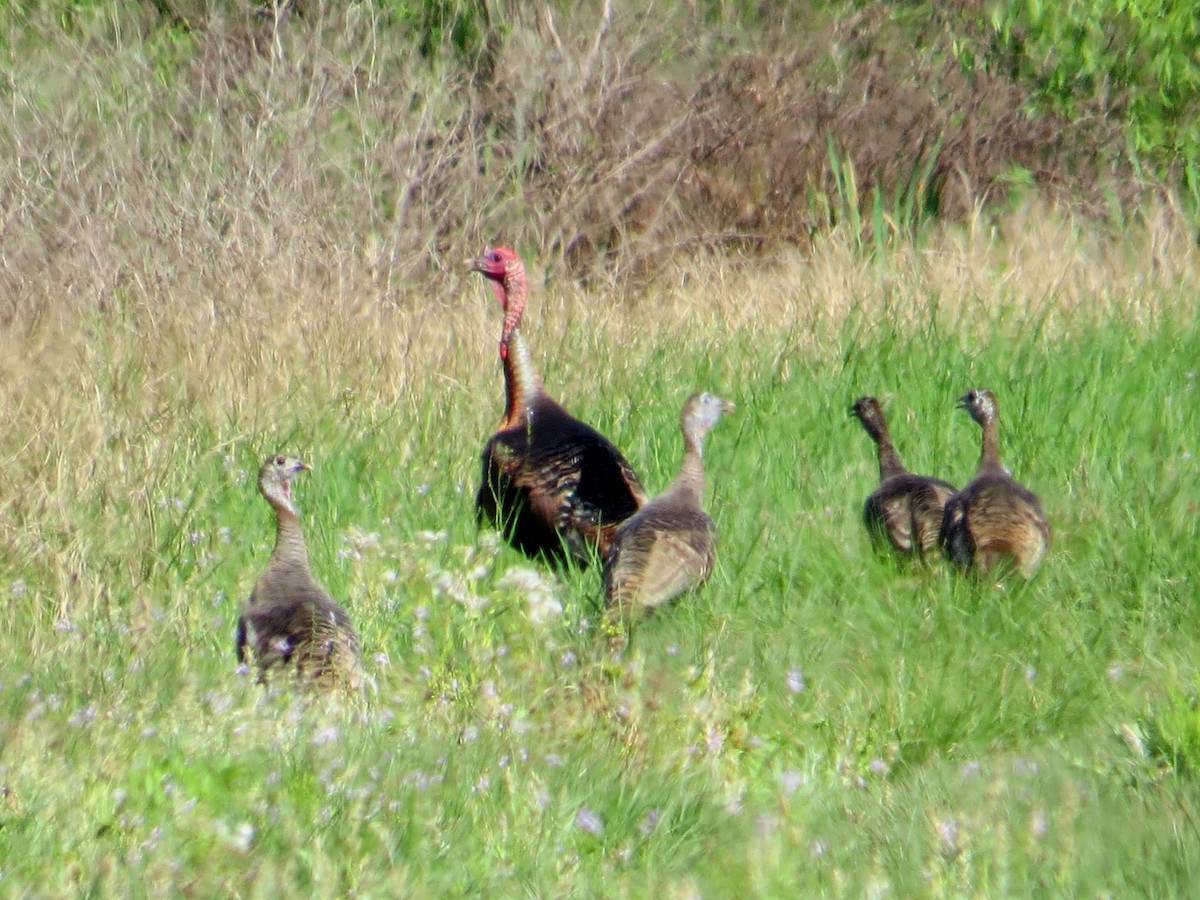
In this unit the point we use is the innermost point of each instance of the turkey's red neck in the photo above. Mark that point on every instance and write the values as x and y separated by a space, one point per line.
522 383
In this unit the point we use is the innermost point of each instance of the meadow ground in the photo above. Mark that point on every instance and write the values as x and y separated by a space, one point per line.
815 720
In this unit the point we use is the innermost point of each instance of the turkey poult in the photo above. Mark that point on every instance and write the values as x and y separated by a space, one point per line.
289 621
993 519
667 547
905 511
548 479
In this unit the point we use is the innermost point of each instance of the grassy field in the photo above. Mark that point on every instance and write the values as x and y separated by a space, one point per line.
815 720
227 234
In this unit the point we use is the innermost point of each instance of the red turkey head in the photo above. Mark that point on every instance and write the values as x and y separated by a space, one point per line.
506 273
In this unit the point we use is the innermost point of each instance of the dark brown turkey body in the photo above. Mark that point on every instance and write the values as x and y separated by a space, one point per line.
905 511
994 519
549 481
289 621
668 546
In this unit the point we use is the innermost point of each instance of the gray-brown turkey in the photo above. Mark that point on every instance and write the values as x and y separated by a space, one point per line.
905 511
289 622
667 547
993 519
549 480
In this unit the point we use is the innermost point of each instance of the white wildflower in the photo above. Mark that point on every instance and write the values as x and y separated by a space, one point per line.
791 781
589 821
795 680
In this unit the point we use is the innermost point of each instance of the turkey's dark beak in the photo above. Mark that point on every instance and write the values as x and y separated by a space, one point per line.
853 410
964 401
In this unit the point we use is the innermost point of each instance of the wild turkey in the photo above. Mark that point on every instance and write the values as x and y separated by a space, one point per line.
905 511
548 479
288 619
667 546
993 518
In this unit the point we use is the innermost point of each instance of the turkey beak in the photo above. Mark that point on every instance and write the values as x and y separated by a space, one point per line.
853 410
964 401
727 406
301 466
474 265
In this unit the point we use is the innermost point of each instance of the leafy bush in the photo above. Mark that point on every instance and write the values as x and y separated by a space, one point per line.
1137 57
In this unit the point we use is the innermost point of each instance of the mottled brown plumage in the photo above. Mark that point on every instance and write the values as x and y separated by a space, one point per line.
905 511
993 519
289 621
549 480
667 547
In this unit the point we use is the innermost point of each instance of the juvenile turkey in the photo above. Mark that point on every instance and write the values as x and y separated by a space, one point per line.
667 546
993 518
289 621
905 511
548 478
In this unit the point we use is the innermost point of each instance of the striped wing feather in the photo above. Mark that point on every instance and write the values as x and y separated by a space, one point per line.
658 555
995 519
289 623
558 478
906 512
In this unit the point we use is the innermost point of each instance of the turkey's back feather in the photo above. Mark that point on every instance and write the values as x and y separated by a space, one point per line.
906 512
552 478
657 554
290 621
994 519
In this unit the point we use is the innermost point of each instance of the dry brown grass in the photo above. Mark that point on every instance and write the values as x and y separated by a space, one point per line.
120 382
323 151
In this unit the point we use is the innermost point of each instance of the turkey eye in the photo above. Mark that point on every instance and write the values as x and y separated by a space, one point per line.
495 256
279 460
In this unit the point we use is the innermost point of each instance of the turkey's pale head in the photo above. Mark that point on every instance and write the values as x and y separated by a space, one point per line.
981 405
506 274
700 414
275 480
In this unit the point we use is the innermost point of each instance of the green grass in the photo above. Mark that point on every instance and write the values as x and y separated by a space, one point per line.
816 719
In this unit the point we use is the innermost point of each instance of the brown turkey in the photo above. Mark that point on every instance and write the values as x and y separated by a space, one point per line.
905 511
289 622
667 547
993 519
549 480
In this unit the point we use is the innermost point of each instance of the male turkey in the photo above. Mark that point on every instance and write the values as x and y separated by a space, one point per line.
549 480
905 511
993 518
289 621
667 546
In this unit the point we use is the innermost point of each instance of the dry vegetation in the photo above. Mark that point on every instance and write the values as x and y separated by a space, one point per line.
321 150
